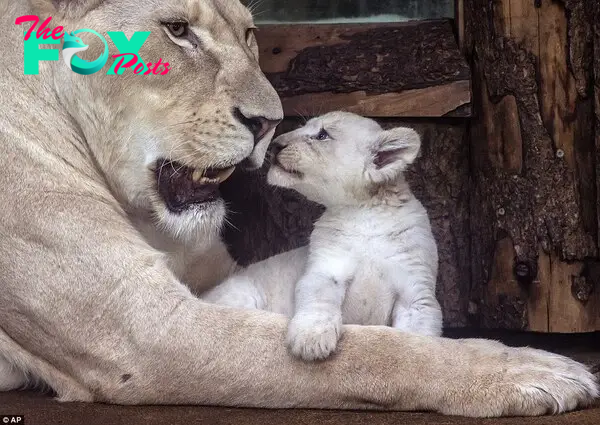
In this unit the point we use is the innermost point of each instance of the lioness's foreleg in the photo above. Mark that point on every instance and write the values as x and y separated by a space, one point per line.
11 377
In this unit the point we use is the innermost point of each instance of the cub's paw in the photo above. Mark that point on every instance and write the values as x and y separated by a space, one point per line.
314 335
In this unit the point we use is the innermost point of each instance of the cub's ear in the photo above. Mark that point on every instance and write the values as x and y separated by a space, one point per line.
394 150
70 9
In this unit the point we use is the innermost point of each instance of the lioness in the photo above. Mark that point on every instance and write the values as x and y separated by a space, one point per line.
372 258
110 219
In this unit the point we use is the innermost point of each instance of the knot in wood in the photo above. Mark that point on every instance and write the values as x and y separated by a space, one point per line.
524 272
581 288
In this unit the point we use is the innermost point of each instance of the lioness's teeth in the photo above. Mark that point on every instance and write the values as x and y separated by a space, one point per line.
225 174
197 175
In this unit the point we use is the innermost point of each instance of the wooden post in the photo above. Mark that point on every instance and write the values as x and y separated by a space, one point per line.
534 155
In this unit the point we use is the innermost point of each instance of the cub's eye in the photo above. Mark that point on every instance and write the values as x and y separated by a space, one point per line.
322 135
177 29
250 36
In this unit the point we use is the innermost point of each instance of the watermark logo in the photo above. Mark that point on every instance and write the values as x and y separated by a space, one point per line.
12 419
73 44
128 56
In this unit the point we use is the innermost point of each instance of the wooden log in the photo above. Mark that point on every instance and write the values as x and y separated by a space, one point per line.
412 69
436 101
265 220
534 213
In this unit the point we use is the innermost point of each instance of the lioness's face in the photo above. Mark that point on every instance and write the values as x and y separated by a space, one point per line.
341 158
166 142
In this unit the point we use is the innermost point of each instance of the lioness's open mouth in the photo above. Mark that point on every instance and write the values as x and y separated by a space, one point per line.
182 187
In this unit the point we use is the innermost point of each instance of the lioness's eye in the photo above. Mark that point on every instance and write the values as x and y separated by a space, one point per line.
322 135
177 29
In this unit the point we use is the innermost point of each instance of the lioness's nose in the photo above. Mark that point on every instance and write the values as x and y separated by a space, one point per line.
258 126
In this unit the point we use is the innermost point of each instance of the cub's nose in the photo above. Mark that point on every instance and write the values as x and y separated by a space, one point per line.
275 149
258 126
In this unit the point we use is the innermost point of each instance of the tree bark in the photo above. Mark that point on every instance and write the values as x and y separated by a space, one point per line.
534 213
355 67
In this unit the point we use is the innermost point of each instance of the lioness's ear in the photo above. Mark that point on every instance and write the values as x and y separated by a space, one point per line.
70 9
395 149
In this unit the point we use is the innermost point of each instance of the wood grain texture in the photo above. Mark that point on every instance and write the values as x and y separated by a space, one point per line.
595 13
265 220
416 66
459 7
534 213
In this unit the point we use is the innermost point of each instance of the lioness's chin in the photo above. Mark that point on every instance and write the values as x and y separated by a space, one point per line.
186 201
199 222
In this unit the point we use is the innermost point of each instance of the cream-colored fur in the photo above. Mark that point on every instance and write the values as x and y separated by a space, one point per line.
93 269
372 259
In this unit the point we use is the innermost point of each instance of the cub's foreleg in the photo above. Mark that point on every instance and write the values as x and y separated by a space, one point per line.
418 312
315 329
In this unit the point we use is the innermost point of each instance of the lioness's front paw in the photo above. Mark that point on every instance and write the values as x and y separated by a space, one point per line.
314 336
524 382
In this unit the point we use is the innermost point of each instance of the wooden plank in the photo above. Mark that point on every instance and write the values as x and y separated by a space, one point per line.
459 7
558 92
434 101
539 294
394 69
280 44
567 313
501 17
524 26
596 73
503 306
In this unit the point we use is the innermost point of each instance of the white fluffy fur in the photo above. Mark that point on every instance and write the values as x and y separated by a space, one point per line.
372 259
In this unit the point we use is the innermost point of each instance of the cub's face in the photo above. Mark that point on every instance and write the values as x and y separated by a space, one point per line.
166 142
341 158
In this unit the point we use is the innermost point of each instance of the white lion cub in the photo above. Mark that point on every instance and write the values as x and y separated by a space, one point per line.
372 259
